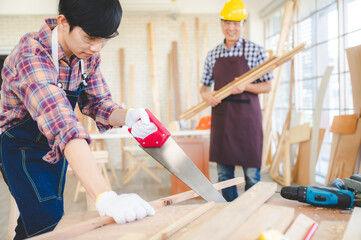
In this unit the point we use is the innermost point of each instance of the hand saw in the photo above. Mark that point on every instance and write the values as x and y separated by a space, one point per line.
161 146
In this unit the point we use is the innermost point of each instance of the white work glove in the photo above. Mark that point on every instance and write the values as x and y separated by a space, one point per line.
124 207
138 120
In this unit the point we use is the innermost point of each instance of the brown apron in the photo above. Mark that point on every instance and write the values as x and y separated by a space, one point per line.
236 128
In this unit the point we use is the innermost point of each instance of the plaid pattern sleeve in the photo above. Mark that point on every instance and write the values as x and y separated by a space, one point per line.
96 101
47 104
254 54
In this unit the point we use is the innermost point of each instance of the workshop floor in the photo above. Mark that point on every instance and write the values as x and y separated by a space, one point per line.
142 184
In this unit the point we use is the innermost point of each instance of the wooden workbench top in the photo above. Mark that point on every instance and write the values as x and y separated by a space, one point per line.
333 219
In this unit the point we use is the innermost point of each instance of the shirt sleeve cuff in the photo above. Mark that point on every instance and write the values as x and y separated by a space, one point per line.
73 131
102 122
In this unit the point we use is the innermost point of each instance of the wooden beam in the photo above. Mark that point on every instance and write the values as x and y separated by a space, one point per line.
344 124
237 212
179 224
186 68
354 63
122 78
353 230
170 88
131 85
176 85
299 227
316 123
155 86
198 59
266 217
98 222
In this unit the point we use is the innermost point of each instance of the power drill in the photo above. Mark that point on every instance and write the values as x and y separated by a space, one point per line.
320 196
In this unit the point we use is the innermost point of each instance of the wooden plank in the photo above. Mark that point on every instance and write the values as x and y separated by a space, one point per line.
300 133
334 145
155 86
131 85
330 230
122 78
316 123
303 158
176 85
237 212
299 228
186 68
346 152
344 124
198 69
176 226
205 39
353 230
266 217
170 88
94 223
354 63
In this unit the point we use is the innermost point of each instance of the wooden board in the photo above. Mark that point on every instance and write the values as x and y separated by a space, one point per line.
155 86
353 230
316 124
344 124
237 211
299 227
303 158
186 68
300 133
330 230
345 154
122 78
354 63
176 85
266 217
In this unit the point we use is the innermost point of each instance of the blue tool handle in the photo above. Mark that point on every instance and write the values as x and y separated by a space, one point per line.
326 197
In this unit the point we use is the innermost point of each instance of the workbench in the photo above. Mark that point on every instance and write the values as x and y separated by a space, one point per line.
332 222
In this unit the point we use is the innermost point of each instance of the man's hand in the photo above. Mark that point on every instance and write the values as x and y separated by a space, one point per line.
138 120
124 207
238 90
210 98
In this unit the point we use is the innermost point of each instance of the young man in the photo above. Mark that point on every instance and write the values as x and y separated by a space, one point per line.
44 77
236 125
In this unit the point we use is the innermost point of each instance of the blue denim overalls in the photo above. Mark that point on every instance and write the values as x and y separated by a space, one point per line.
36 185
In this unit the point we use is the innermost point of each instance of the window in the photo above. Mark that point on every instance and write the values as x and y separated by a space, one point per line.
328 27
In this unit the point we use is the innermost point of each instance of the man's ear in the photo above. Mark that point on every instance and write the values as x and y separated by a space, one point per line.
63 23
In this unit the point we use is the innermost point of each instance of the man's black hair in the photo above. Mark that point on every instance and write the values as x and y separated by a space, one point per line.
98 18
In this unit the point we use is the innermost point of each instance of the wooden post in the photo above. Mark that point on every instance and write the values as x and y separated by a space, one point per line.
197 59
122 73
176 87
186 68
155 87
170 87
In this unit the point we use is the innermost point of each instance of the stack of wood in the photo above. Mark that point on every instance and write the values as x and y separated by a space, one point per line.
247 217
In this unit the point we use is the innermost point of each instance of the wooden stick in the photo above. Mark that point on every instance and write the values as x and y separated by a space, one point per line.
205 40
98 222
186 68
170 87
245 79
122 80
155 87
316 123
197 59
131 85
176 87
237 212
176 226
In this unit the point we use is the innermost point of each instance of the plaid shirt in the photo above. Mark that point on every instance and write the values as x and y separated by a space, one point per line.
30 86
255 55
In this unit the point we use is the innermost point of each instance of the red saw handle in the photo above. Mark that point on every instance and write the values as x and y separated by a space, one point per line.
156 139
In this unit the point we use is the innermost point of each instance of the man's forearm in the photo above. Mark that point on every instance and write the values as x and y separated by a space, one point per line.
117 117
82 162
256 88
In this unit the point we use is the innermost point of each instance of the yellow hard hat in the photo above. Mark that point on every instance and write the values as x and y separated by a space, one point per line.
234 10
